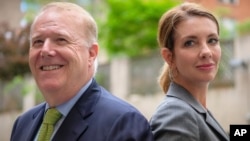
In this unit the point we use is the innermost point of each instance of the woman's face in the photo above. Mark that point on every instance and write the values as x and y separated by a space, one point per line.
197 51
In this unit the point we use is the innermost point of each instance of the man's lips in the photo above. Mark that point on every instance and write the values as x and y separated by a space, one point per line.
50 67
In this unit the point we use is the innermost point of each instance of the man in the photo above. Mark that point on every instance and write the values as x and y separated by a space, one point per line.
63 52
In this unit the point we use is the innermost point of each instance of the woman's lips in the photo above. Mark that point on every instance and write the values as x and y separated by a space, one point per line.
206 66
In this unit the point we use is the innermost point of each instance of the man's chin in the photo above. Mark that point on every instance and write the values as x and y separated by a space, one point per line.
49 87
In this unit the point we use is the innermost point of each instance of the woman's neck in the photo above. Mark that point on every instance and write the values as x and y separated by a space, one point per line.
197 90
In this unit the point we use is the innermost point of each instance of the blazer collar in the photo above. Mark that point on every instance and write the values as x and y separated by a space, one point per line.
75 124
179 92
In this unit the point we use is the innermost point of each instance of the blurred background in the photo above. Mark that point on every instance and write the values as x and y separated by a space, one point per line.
129 61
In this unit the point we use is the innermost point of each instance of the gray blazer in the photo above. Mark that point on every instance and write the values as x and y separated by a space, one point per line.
181 118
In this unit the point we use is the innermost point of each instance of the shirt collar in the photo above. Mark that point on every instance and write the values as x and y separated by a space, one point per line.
66 107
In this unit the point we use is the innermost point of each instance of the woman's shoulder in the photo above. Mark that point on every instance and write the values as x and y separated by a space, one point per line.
172 107
174 103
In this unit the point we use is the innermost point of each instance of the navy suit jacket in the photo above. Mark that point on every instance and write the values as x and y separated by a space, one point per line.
96 116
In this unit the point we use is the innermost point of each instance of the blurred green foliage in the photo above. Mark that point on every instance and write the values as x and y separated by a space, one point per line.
23 82
243 28
130 27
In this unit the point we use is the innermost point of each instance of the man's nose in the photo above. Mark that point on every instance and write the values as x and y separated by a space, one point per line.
47 49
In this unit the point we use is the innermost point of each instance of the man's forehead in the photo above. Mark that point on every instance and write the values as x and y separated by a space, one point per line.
53 17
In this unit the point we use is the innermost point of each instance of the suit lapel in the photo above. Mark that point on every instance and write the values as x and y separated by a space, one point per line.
35 123
72 127
215 125
75 123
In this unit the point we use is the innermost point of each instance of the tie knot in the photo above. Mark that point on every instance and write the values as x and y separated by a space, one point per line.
52 116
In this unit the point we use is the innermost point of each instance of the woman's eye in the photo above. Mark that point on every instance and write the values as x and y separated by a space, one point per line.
213 41
188 43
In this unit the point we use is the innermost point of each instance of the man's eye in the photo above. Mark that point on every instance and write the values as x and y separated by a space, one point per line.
37 43
61 40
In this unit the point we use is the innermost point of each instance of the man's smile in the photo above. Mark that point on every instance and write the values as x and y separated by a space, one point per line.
51 67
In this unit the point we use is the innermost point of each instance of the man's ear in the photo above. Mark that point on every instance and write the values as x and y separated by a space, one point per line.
167 55
93 51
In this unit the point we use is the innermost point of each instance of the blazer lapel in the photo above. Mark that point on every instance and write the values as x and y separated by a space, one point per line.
35 124
72 127
215 125
75 124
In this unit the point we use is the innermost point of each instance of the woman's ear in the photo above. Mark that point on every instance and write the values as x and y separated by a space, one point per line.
167 55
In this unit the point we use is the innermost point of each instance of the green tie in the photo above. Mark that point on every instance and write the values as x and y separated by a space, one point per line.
49 120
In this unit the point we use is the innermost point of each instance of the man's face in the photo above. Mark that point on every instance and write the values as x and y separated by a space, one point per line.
59 58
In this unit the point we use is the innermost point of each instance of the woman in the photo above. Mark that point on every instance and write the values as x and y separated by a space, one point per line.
189 39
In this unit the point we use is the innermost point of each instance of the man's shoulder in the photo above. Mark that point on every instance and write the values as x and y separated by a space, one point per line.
101 100
114 102
33 111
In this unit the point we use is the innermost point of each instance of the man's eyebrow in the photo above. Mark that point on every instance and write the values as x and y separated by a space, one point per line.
35 36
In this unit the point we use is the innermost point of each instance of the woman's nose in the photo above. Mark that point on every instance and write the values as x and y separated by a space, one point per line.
205 51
